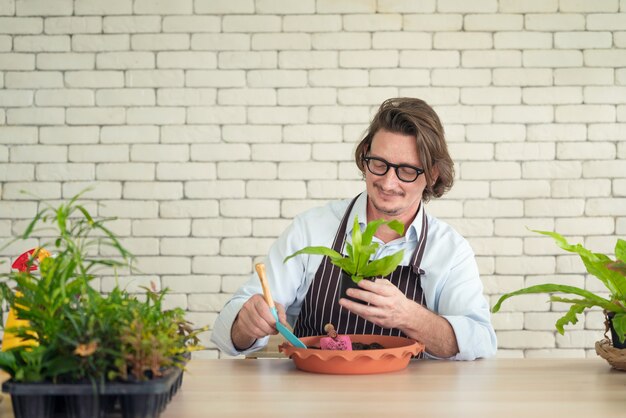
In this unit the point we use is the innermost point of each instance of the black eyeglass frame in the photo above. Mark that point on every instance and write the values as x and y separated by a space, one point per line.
396 167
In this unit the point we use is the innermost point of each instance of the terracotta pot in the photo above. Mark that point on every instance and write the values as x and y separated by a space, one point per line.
614 337
346 282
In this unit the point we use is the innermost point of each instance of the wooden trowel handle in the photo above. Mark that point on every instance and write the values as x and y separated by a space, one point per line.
260 269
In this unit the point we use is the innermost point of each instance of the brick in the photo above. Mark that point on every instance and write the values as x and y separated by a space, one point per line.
429 59
251 133
481 6
94 79
472 227
137 246
465 189
125 171
586 151
65 172
263 189
583 40
493 22
491 95
308 59
281 152
97 43
285 6
245 246
499 208
507 320
125 97
553 22
540 6
207 302
525 265
159 152
490 170
72 25
613 94
221 227
159 42
98 153
523 303
585 113
66 97
16 98
312 23
433 95
186 96
269 227
491 59
18 135
279 78
495 133
607 132
620 227
339 114
551 169
306 96
220 42
214 189
129 209
96 7
537 321
368 59
214 78
249 208
333 152
155 78
65 61
7 7
334 189
583 76
522 77
17 210
36 116
42 190
183 170
281 41
312 133
463 40
100 190
155 115
220 152
496 246
307 170
523 114
583 6
522 40
552 95
408 40
432 22
603 243
17 62
372 22
251 24
21 25
215 114
606 21
366 95
395 77
18 172
520 189
578 339
95 116
129 134
341 40
246 170
164 265
277 115
553 58
247 60
223 7
569 264
162 227
186 60
292 208
69 134
132 24
604 58
189 209
125 60
606 207
525 151
6 43
585 226
468 152
192 283
464 114
554 207
345 6
520 227
163 7
557 132
581 188
43 8
153 190
28 79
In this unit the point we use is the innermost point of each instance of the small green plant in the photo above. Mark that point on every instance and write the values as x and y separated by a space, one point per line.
612 273
73 332
357 264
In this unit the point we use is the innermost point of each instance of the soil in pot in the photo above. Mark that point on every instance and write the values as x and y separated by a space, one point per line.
359 346
346 282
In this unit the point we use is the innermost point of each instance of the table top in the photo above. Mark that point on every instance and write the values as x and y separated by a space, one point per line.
484 388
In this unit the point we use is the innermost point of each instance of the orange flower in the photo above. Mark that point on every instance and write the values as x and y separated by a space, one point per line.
85 350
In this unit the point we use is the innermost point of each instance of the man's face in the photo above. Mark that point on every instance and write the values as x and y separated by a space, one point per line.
388 195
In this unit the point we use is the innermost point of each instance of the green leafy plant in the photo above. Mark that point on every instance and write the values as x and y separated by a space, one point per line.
73 332
357 264
612 273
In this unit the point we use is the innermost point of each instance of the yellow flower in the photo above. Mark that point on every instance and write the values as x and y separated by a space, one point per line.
85 350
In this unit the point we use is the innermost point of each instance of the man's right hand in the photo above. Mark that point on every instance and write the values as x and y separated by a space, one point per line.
255 321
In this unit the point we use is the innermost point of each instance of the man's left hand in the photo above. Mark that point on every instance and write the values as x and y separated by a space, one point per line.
388 306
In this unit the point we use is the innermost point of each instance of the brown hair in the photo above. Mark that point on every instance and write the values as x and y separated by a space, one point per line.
409 116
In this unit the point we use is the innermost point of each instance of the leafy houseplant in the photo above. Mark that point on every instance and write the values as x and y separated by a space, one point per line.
357 264
612 273
70 333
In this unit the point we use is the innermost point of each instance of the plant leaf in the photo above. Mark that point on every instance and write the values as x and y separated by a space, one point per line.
620 250
383 266
619 324
329 252
578 306
557 288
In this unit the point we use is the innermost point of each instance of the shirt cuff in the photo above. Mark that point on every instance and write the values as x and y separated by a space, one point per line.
473 338
222 328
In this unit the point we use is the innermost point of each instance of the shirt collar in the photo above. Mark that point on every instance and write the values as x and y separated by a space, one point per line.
360 209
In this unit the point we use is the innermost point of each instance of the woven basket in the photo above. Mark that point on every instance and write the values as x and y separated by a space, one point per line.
616 357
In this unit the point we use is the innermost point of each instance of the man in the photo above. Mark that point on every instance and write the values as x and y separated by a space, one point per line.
434 296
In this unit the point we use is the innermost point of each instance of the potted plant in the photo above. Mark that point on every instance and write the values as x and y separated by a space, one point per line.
76 350
357 266
612 273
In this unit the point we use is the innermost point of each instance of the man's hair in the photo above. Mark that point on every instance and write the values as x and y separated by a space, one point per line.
410 116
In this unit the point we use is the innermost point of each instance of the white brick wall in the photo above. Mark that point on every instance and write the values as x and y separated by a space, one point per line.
206 125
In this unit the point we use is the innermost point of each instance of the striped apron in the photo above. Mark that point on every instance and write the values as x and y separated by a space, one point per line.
321 303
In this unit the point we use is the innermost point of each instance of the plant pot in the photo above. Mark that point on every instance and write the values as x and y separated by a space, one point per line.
614 337
346 282
84 400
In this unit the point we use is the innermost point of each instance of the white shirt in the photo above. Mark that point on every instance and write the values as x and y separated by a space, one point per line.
451 283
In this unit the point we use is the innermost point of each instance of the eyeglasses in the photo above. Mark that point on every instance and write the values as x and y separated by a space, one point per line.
379 167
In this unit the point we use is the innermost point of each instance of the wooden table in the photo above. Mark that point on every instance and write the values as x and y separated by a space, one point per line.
528 388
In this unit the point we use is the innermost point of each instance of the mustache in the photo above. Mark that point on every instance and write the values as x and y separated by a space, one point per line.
382 189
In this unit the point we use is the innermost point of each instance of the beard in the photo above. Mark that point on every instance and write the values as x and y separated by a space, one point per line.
386 210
